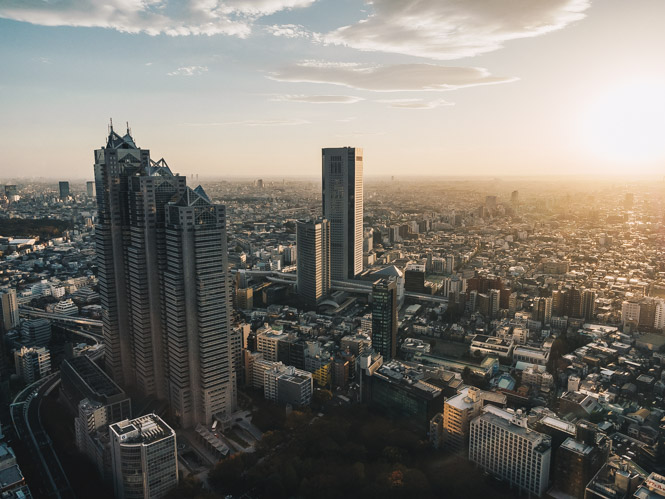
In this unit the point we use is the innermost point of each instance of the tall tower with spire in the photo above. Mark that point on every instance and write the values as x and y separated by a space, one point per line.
134 194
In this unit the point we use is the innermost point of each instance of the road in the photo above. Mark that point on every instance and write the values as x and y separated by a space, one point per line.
27 422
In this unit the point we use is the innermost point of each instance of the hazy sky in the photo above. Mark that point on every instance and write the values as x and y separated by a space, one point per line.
255 88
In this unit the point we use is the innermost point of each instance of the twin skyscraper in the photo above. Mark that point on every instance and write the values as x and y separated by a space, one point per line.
164 284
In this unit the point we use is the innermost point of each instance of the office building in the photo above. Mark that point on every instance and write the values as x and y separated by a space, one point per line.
90 188
11 191
64 190
342 170
384 318
82 379
197 297
288 385
542 310
9 309
579 459
501 444
589 304
414 278
630 313
144 457
460 410
66 307
32 364
36 332
163 283
313 260
400 392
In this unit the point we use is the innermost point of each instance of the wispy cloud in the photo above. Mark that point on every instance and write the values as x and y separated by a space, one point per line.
154 17
401 77
285 122
452 29
292 31
189 71
319 99
416 103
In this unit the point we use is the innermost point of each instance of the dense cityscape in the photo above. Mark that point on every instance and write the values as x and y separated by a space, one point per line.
341 336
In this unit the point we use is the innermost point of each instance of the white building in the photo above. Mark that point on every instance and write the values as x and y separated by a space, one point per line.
502 444
66 307
144 457
267 341
32 363
630 312
531 355
288 385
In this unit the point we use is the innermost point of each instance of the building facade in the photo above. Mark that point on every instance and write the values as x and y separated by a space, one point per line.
342 172
9 309
501 443
144 458
384 318
313 260
163 283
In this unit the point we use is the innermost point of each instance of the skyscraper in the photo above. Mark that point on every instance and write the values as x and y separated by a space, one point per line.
64 189
313 260
342 170
143 268
90 188
384 318
9 309
197 303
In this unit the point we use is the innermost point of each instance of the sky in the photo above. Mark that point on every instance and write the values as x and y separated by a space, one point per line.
255 88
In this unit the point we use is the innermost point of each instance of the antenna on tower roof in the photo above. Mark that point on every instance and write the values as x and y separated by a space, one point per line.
129 130
110 125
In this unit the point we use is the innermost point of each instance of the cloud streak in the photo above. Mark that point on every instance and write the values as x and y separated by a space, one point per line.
252 123
319 99
394 78
416 103
154 17
453 29
189 71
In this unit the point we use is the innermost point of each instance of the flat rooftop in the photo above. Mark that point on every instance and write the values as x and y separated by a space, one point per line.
93 375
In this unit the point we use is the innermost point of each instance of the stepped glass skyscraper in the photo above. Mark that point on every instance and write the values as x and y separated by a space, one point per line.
343 208
384 318
136 257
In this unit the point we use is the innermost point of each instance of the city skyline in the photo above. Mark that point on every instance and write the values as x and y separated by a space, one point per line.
558 90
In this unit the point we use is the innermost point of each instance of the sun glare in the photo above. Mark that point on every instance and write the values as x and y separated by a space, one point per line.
627 123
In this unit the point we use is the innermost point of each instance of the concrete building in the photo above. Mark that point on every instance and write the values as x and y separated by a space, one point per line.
144 457
198 297
267 342
32 363
630 313
502 444
384 318
288 385
163 282
313 260
9 309
66 307
64 189
82 379
90 189
36 332
342 172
